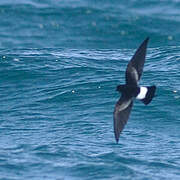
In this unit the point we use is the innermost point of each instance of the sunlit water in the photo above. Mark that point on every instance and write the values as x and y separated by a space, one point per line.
60 65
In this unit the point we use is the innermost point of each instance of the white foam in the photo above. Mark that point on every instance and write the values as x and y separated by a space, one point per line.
142 94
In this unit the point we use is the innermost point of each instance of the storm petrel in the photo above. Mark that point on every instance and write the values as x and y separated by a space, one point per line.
131 90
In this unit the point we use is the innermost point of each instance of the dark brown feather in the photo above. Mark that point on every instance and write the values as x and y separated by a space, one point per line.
135 67
121 115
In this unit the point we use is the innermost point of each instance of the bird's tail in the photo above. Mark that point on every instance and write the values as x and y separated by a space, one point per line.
150 94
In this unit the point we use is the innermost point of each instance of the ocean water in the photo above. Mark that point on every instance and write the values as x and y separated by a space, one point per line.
60 63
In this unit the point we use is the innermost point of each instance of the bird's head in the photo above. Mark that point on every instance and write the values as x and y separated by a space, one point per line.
120 88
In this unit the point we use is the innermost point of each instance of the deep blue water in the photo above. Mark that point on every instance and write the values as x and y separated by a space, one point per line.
60 63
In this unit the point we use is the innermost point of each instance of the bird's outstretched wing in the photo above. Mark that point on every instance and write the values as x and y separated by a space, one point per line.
121 114
135 67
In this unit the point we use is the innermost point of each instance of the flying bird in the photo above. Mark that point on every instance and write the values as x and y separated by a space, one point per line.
131 90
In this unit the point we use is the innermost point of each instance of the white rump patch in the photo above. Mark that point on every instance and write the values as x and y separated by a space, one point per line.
142 94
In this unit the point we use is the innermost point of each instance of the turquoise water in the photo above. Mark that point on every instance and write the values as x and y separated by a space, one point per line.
60 63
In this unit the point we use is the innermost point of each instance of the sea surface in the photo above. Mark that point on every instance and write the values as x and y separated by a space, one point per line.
60 63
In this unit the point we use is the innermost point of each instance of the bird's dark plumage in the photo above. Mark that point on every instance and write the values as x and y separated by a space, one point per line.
121 115
135 67
131 90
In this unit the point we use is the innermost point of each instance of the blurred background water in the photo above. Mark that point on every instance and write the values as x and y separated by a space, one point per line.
60 63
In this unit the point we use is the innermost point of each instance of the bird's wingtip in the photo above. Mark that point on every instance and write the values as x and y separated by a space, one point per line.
117 139
147 39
